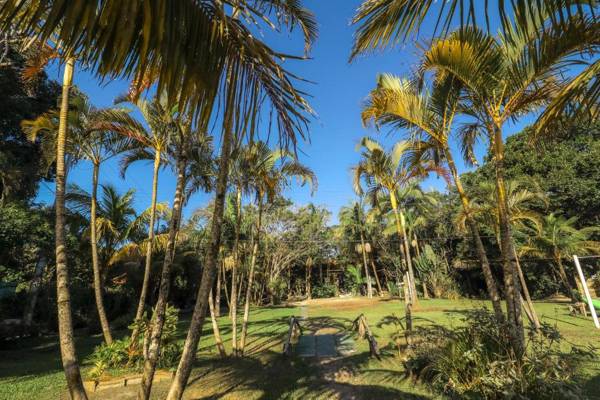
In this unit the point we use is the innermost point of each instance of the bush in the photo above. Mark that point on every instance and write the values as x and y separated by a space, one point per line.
120 354
353 279
277 289
323 291
393 289
477 362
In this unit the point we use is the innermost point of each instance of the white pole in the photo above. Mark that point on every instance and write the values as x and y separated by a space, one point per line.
587 292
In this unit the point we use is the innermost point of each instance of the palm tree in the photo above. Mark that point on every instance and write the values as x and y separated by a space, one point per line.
521 197
146 145
63 298
58 149
353 218
502 79
187 149
385 23
559 239
196 53
290 112
429 117
91 139
269 173
385 171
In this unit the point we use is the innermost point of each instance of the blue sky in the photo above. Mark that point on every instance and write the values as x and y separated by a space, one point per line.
337 94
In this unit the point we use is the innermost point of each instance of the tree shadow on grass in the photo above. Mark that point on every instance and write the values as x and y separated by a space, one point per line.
275 377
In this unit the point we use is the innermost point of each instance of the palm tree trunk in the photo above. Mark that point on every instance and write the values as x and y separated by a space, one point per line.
234 277
158 319
148 266
227 300
490 282
533 314
404 243
215 326
251 278
511 279
95 263
308 282
34 290
380 291
564 278
218 294
367 275
208 275
63 297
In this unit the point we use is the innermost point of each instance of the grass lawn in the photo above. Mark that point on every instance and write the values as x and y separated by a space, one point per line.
31 368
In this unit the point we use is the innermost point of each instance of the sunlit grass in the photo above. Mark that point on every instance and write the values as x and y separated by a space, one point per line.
31 368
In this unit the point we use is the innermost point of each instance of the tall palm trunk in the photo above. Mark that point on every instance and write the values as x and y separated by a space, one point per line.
158 319
533 314
218 294
234 277
251 279
365 264
308 279
147 269
215 326
490 282
511 279
377 281
208 275
95 263
563 277
405 247
63 297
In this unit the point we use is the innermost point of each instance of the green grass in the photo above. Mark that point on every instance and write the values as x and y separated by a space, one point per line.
31 368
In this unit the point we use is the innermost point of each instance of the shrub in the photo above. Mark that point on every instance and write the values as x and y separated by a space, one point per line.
353 279
323 291
120 354
393 289
477 362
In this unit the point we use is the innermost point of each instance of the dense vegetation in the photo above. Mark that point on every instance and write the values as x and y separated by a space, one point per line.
506 231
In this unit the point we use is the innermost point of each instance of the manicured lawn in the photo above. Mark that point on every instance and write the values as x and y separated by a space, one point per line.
31 368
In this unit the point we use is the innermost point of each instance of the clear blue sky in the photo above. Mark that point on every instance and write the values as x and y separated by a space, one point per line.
337 95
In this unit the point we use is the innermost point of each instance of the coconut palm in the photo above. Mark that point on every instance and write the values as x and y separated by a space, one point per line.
385 171
428 116
559 239
269 172
502 79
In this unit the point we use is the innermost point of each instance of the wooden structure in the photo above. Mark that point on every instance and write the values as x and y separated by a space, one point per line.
361 326
294 332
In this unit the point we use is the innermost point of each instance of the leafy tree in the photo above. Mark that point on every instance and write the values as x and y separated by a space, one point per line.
565 167
269 172
21 164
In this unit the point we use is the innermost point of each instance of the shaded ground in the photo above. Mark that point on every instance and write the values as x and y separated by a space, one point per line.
31 368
